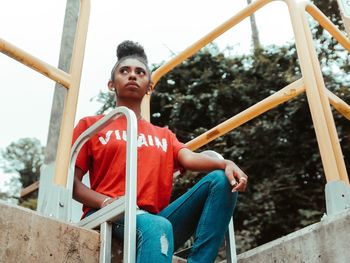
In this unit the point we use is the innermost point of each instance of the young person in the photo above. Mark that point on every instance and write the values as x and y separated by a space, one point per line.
205 210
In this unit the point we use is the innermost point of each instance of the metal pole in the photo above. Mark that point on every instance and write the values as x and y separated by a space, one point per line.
195 47
323 97
313 95
66 131
67 42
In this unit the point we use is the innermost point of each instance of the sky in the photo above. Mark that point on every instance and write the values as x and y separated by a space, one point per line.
162 27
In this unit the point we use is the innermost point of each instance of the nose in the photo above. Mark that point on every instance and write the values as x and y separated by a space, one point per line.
132 75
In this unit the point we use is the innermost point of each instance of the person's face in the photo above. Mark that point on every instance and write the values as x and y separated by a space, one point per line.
131 80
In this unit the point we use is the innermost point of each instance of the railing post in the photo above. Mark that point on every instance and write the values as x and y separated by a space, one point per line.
323 97
66 131
131 175
313 95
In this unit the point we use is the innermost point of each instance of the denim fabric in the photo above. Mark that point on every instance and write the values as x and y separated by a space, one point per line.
205 210
154 235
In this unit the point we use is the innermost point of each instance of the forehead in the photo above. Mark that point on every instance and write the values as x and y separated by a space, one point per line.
132 62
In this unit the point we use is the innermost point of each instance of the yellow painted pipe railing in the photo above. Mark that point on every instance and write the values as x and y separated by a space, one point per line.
311 82
318 103
281 96
334 139
67 126
340 105
42 67
70 80
287 93
194 48
327 24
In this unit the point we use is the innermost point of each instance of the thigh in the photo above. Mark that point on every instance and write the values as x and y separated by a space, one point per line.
147 226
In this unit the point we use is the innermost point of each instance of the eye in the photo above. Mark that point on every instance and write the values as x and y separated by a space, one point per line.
123 70
140 71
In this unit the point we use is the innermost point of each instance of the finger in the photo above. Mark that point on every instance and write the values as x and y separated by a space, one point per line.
240 187
231 178
238 173
233 182
243 179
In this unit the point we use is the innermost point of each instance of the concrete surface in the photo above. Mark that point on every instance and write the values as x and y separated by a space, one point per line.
26 236
327 241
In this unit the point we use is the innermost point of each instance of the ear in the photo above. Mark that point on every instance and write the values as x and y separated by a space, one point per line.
150 88
149 91
111 85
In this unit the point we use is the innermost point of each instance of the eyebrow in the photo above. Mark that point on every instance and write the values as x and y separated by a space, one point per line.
123 67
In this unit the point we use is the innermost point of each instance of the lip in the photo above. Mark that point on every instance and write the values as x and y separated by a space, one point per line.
132 84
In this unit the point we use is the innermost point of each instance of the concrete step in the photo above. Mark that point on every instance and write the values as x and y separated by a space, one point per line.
28 237
327 241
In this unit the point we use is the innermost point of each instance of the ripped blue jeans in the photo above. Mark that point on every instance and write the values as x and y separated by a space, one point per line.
205 210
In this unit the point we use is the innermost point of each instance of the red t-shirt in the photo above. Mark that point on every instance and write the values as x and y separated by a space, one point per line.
105 153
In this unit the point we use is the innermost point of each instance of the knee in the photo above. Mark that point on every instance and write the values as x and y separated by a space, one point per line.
221 185
219 179
158 234
157 228
163 227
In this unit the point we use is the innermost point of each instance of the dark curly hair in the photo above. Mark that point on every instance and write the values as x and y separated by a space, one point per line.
129 49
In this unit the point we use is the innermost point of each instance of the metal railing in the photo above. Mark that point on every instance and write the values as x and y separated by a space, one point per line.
311 82
127 204
70 80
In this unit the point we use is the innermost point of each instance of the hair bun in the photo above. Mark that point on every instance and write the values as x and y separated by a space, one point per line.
130 48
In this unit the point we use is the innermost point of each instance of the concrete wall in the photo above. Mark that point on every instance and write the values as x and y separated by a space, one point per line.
327 241
27 237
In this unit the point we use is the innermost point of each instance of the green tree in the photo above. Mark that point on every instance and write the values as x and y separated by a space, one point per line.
3 196
331 54
24 157
331 9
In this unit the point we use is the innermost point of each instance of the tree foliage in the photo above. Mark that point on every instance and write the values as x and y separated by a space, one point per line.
24 157
331 53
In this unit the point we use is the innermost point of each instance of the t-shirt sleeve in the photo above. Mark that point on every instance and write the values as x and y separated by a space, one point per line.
83 157
177 146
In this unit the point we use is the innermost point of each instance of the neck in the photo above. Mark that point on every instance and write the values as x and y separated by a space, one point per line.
135 107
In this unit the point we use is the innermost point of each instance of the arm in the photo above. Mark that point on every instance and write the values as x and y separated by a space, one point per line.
201 162
87 196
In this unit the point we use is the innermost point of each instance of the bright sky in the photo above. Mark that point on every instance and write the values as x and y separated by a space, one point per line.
160 26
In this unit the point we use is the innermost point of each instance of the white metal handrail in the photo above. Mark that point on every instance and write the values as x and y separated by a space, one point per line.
127 203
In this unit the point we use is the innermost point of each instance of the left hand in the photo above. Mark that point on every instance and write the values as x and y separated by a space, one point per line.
237 178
